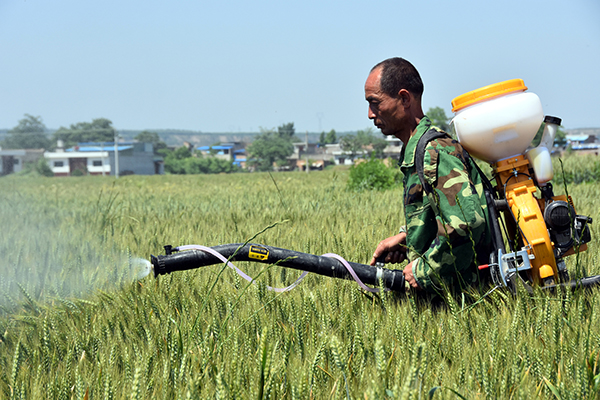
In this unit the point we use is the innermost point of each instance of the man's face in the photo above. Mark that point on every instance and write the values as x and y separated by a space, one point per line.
387 112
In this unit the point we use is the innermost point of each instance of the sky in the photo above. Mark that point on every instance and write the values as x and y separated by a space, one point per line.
239 66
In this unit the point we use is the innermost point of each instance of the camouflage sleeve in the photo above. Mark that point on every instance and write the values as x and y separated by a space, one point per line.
459 219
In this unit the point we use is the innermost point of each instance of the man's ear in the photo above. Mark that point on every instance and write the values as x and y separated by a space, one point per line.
405 97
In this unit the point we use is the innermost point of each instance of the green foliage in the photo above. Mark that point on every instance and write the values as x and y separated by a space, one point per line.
351 144
151 137
373 175
576 169
174 160
208 165
327 138
331 137
271 147
364 141
560 138
99 130
438 117
42 167
30 133
181 161
74 325
286 130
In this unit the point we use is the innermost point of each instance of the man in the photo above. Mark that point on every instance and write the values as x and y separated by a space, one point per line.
446 234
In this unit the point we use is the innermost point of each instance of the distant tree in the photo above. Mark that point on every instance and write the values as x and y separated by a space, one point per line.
327 138
331 137
351 144
147 137
561 137
438 117
322 139
182 152
286 130
151 137
182 161
373 175
99 130
378 145
363 140
368 139
30 133
208 165
175 159
272 147
42 167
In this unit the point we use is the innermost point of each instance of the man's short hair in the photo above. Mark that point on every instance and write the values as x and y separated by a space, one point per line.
396 74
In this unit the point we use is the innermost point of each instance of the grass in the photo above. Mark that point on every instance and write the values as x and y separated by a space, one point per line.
74 324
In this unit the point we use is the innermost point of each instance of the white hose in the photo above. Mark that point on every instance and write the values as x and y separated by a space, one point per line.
351 270
285 289
236 269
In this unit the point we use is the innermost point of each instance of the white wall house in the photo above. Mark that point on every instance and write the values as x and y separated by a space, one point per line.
99 159
12 160
65 163
342 157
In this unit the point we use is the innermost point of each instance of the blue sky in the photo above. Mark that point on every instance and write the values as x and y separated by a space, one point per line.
233 65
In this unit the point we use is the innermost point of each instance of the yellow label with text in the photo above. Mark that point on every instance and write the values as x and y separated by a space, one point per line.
258 253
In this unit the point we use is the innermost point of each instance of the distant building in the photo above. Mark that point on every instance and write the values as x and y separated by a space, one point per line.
316 156
583 144
578 139
239 158
394 147
342 157
13 160
232 151
99 159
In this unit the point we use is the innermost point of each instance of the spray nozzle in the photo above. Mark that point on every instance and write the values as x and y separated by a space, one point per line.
169 249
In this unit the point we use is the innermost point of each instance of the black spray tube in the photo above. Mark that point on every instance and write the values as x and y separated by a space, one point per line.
191 259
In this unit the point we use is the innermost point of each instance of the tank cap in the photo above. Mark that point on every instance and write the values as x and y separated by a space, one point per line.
488 92
552 120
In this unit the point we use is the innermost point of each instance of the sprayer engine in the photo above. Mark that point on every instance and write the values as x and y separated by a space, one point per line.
567 230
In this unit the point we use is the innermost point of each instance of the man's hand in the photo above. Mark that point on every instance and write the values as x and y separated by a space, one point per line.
394 246
409 277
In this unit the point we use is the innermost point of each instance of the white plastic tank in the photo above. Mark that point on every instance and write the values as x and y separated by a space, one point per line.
497 121
540 161
539 157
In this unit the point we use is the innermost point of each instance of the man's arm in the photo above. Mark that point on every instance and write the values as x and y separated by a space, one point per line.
394 246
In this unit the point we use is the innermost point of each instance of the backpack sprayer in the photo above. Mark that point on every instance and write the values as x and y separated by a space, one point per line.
495 124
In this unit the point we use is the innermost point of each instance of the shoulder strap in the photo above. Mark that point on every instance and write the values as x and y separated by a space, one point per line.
430 135
433 134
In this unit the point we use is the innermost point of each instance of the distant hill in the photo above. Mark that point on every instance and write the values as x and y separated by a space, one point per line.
583 131
174 137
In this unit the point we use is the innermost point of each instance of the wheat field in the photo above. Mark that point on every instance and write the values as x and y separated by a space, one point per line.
75 324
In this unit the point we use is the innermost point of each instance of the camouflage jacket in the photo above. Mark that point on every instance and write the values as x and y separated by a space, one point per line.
447 233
